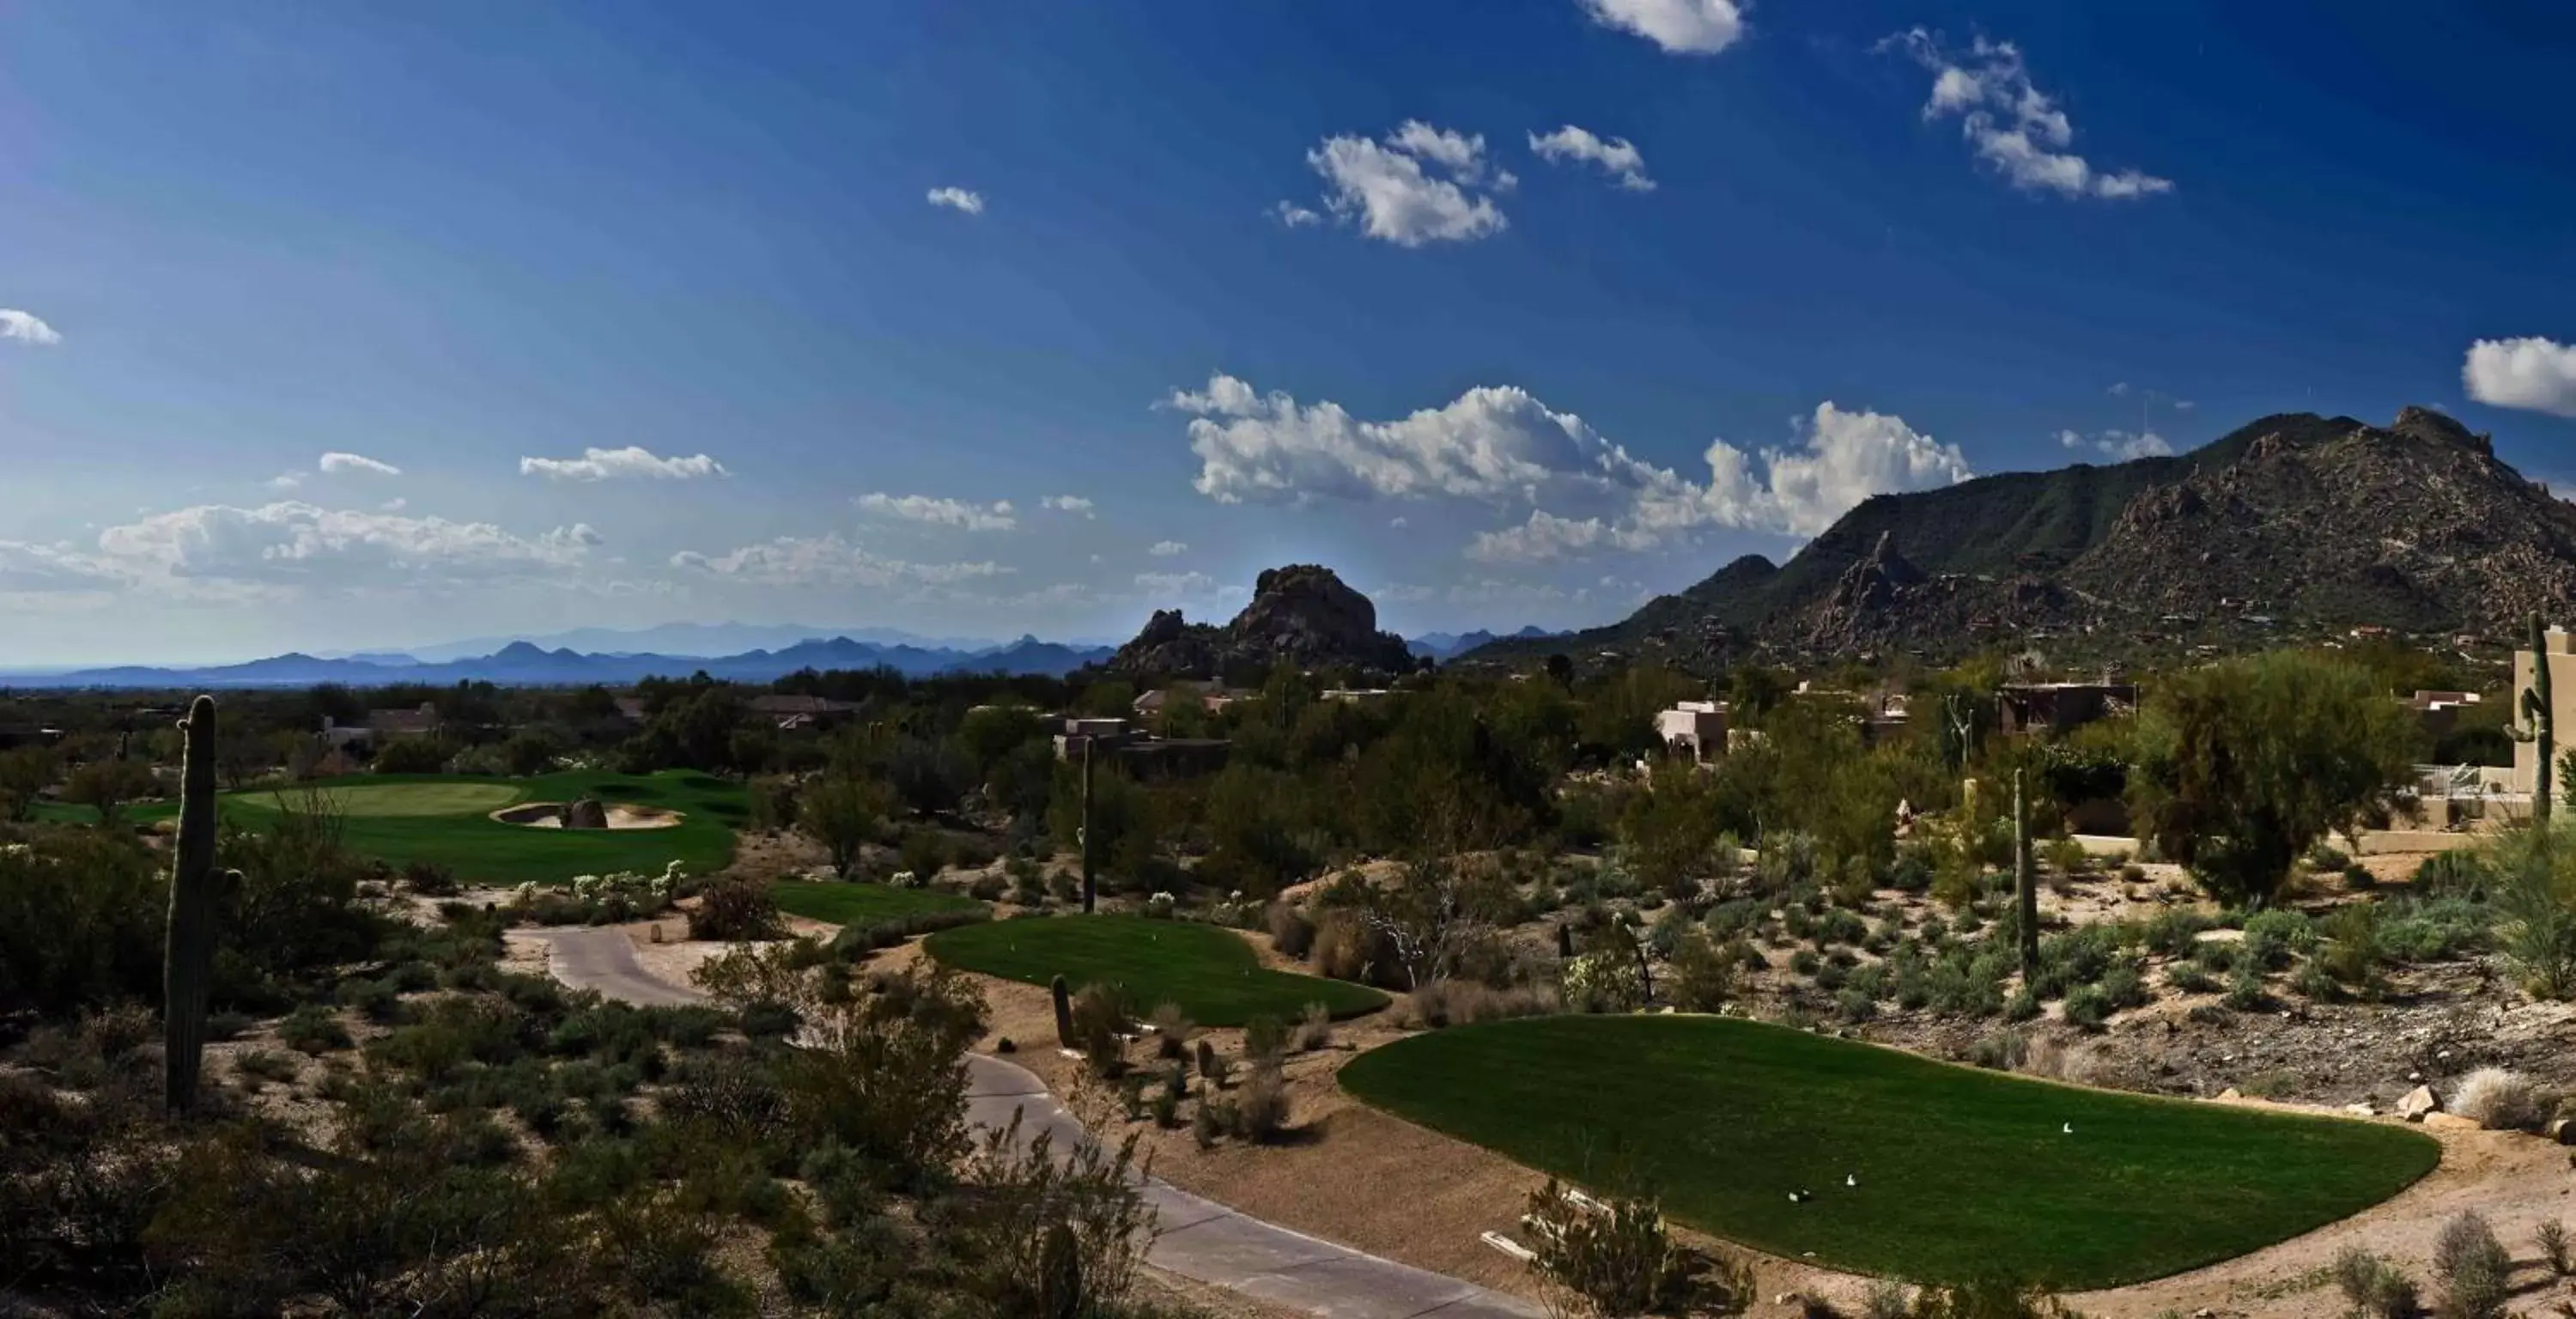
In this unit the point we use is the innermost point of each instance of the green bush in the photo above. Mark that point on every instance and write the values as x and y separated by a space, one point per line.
2087 1006
314 1029
2476 1272
2271 937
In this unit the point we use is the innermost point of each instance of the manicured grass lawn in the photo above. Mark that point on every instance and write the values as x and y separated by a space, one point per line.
861 904
1962 1172
445 819
1210 972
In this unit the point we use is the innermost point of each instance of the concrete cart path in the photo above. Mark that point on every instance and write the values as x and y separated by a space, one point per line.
1194 1237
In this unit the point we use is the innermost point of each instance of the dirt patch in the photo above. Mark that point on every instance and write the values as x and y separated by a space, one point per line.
667 953
550 815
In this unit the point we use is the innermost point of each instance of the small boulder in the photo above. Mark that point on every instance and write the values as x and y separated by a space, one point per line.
2450 1122
586 813
2361 1110
2562 1130
2229 1095
2418 1102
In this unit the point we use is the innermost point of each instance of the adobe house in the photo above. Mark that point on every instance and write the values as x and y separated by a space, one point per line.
1696 729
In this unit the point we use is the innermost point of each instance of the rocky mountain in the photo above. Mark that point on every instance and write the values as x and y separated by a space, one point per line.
525 664
1442 645
1302 614
2295 525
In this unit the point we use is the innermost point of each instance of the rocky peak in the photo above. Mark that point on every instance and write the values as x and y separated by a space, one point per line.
2422 423
1302 613
1872 583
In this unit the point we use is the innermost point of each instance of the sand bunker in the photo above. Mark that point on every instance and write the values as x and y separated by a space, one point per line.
550 815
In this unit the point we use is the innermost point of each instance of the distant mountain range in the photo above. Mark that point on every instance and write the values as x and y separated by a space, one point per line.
2294 526
526 664
1442 645
678 639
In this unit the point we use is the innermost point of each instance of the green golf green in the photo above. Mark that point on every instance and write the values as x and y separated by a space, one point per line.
1960 1173
1210 972
861 904
445 819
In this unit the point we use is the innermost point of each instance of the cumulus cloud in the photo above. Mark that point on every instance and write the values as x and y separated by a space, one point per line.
958 199
1164 549
1067 504
1681 27
2010 123
1842 458
1176 583
825 561
615 464
2532 373
1418 185
286 481
26 327
1500 445
352 462
996 516
292 542
1293 215
1491 443
2119 444
1615 155
45 569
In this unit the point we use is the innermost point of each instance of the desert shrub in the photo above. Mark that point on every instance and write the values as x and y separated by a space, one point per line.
2551 1237
2172 932
2535 892
1620 1259
2272 936
1989 1298
1101 1014
2245 991
2498 1100
2215 955
1261 1106
858 940
2087 1006
1447 1002
736 910
1999 1051
1290 932
2474 1269
1603 982
2435 930
1173 1030
1212 1066
1703 976
1264 1039
2188 978
2455 874
2351 952
2375 1288
2122 987
1804 962
1314 1029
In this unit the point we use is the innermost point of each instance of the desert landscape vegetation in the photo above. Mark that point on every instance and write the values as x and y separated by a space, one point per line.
560 1008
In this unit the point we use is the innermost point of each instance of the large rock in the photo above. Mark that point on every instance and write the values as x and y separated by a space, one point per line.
587 813
2418 1104
1301 614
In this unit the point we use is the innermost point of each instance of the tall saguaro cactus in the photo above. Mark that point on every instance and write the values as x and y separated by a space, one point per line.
2025 887
189 953
1063 1011
1090 889
2538 721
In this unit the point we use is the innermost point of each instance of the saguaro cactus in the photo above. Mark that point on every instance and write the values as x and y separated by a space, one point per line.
1059 1274
2025 887
189 953
1063 1011
2539 722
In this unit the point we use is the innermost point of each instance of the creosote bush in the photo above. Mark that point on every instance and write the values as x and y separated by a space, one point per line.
2498 1100
2476 1273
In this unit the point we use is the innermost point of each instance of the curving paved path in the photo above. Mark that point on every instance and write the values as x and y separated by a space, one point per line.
1194 1237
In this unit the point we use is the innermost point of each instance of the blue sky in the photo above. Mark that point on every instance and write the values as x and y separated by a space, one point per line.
624 313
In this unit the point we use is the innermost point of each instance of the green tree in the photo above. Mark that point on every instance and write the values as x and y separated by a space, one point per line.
24 774
106 786
2242 766
843 813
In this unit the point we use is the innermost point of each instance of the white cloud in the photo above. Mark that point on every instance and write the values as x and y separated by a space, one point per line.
47 569
1067 504
2119 389
292 542
958 199
1293 215
2532 373
351 462
1399 521
1615 155
1681 27
1491 443
285 480
826 561
941 512
612 464
1394 188
1844 458
2010 123
393 505
1164 549
2119 444
1176 583
27 328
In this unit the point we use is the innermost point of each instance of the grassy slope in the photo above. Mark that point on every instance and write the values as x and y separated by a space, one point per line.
387 818
861 904
1210 972
1961 1171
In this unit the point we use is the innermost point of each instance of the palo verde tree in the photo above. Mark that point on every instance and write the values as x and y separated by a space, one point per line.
2242 766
